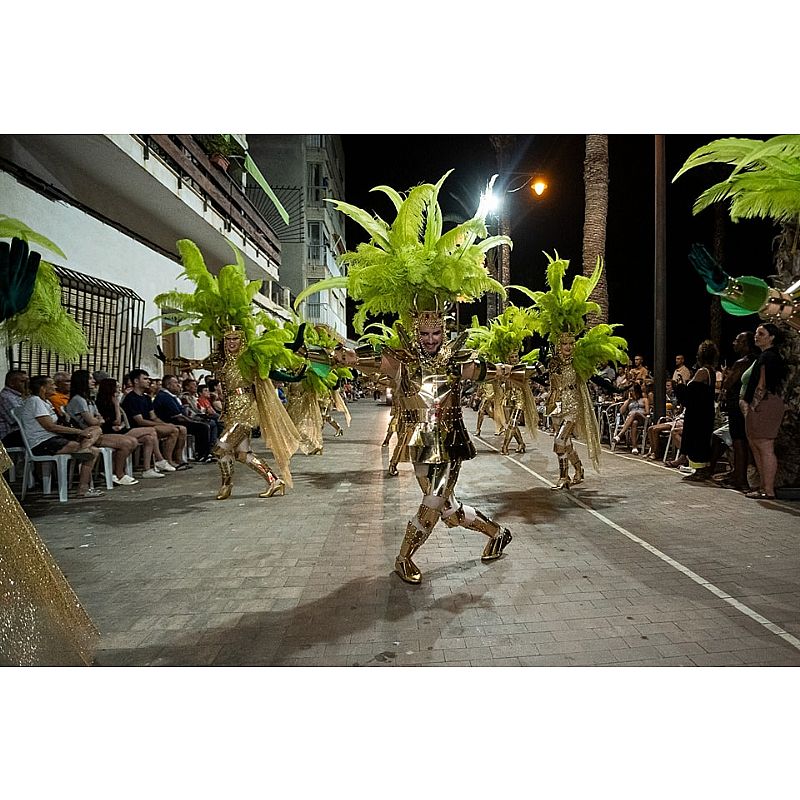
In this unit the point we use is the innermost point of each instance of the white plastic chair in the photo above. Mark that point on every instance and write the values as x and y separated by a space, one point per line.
12 469
62 461
106 452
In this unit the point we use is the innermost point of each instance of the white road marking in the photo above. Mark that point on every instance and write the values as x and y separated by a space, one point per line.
698 579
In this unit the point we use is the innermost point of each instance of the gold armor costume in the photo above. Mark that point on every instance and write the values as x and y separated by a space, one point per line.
246 406
492 391
570 407
434 437
513 404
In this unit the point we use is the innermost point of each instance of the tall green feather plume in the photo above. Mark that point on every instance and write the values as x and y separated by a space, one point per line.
411 259
219 302
560 310
504 335
43 322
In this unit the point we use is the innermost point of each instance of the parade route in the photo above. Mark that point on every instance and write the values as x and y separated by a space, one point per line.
632 567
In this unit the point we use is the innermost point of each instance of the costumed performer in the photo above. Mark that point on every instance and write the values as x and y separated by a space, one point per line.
411 269
561 317
42 622
245 362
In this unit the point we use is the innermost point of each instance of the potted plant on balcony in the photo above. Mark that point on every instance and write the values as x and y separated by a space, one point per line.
220 147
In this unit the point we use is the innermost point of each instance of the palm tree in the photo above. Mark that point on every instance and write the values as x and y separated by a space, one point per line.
765 183
595 177
503 145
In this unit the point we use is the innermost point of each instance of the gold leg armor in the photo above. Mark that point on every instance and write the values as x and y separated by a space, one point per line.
225 464
274 484
578 466
334 424
417 532
472 519
563 477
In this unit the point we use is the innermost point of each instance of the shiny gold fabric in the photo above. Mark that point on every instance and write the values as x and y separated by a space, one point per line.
42 622
340 405
278 430
569 399
240 402
303 409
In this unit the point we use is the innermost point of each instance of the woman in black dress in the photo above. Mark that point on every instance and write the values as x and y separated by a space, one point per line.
697 397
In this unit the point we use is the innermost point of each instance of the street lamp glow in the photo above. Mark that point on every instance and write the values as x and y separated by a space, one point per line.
538 187
489 204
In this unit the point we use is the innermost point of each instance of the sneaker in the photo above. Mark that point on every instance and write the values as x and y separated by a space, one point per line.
182 466
635 451
164 466
125 480
92 492
687 470
152 473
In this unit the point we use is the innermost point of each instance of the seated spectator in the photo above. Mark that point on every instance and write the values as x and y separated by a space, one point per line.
191 407
622 382
82 410
59 396
116 421
635 410
671 400
12 396
138 408
215 394
168 408
672 427
682 373
46 437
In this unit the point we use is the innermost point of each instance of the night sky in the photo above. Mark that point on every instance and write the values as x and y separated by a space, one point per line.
555 221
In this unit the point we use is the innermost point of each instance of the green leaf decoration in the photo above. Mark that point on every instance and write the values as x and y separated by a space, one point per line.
10 227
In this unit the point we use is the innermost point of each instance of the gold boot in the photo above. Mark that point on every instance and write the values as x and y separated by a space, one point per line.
520 440
578 466
563 478
225 464
412 541
495 546
274 488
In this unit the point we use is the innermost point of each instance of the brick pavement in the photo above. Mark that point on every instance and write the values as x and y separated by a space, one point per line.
173 577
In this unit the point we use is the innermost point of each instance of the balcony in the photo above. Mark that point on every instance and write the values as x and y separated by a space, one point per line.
320 262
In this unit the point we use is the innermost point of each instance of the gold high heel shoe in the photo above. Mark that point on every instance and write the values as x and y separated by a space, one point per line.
495 546
275 487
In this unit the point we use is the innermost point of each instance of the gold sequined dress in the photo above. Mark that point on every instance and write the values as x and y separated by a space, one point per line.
42 622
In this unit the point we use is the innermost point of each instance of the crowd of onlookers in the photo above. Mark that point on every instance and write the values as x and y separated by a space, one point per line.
711 413
146 421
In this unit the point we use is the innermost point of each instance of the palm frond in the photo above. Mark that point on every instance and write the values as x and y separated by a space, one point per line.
377 229
724 151
10 227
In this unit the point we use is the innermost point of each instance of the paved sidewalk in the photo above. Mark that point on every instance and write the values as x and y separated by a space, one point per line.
634 567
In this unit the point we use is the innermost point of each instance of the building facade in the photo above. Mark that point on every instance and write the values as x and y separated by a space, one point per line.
116 205
304 169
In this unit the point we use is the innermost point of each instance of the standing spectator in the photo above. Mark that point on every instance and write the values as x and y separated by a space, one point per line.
12 396
168 407
682 373
138 408
59 396
638 372
744 346
83 411
46 437
763 406
697 397
115 421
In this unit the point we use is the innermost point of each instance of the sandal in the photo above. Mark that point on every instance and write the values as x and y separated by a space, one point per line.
91 493
756 494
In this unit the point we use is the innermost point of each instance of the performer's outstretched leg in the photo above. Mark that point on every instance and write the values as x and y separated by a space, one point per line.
457 514
225 463
334 424
274 483
575 460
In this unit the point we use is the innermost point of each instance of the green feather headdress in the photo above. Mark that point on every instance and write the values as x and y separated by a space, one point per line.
385 337
321 379
561 310
41 320
411 265
504 335
220 302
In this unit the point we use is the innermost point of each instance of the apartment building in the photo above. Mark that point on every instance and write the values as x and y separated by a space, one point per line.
116 205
